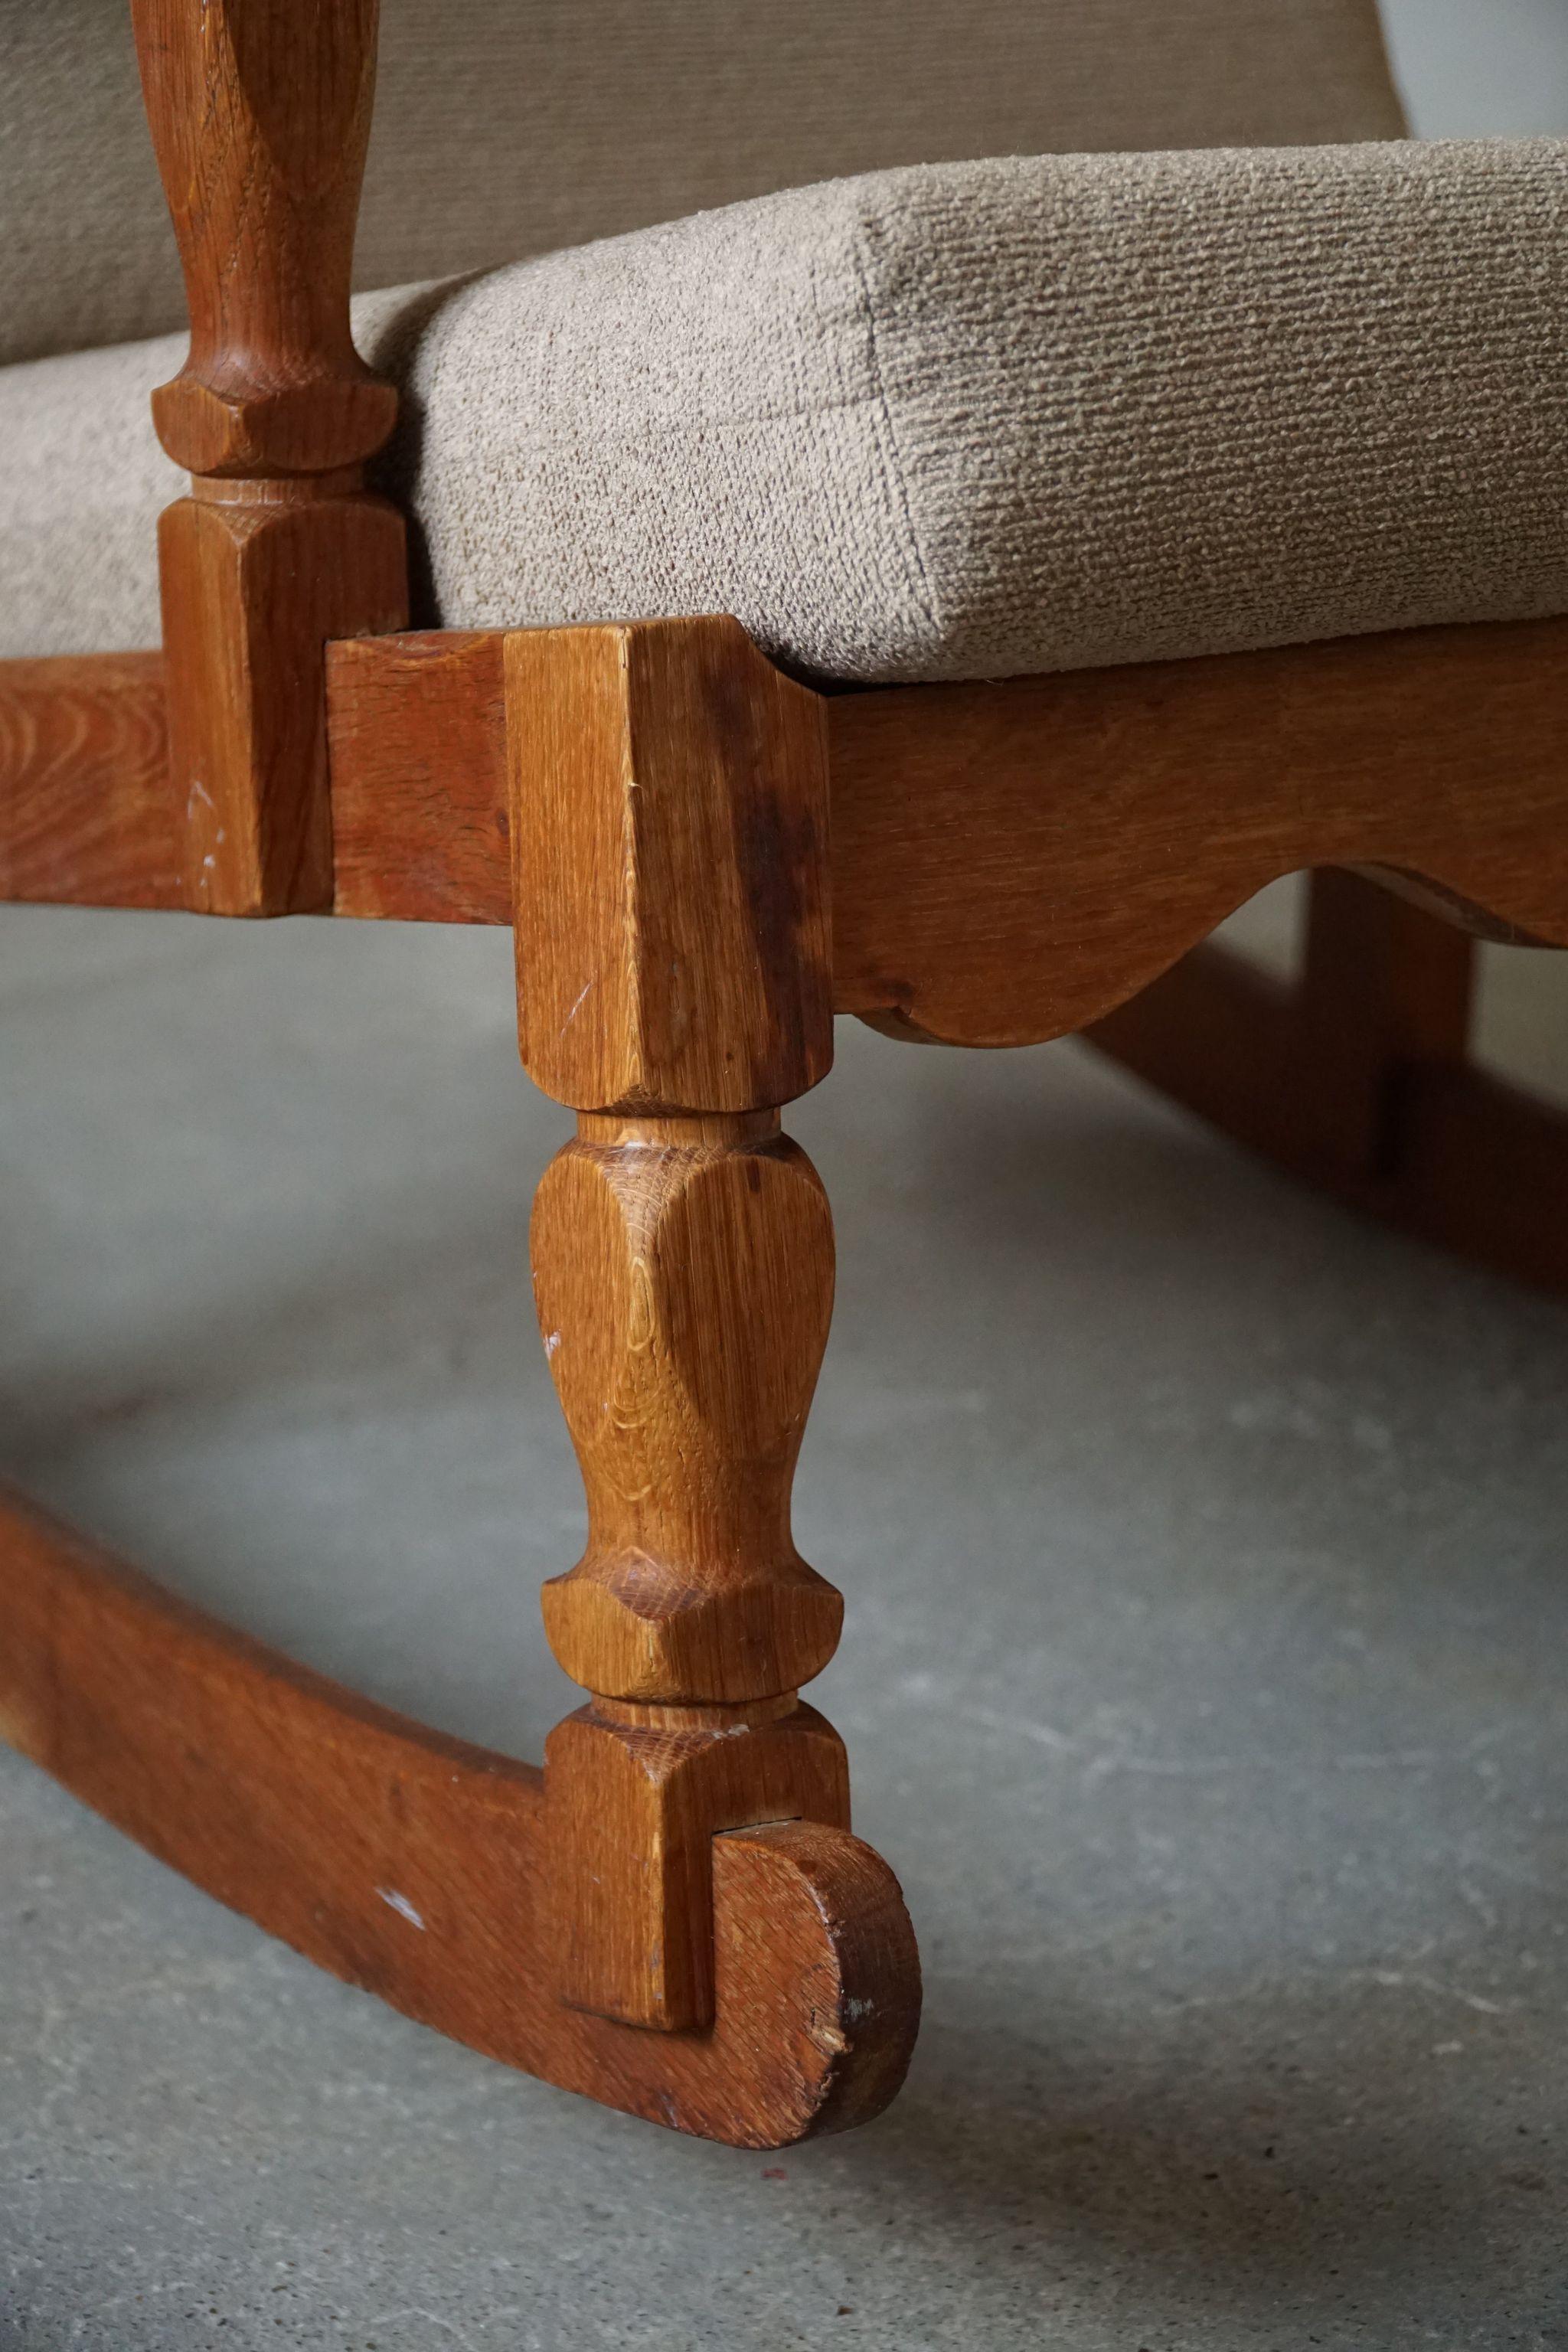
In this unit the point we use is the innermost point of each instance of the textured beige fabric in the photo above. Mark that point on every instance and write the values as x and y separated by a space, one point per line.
82 482
505 127
960 421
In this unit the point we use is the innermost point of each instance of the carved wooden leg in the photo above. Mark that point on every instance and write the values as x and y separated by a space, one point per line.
683 1277
1357 1077
1317 1073
669 809
1386 987
260 129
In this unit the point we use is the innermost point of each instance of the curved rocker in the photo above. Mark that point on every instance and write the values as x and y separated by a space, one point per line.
422 1869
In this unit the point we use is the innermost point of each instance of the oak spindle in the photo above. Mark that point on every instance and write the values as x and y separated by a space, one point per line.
260 114
669 837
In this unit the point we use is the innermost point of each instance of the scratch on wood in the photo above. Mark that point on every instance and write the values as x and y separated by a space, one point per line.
401 1905
577 1008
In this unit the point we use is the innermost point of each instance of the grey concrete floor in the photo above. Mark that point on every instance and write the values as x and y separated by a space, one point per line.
1203 1679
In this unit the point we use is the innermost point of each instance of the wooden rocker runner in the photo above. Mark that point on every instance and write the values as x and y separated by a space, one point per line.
703 858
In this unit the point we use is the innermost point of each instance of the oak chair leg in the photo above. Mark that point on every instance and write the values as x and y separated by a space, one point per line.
683 1285
1356 1077
670 825
1321 1073
1385 985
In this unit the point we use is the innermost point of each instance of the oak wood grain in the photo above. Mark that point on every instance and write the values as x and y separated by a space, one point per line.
422 1868
1011 861
684 1290
668 828
1008 862
85 810
636 1798
251 592
260 113
669 843
669 833
421 831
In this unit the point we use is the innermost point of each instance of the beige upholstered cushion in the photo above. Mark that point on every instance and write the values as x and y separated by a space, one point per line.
953 421
505 127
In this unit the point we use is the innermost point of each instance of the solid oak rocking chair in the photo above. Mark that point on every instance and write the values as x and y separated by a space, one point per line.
703 859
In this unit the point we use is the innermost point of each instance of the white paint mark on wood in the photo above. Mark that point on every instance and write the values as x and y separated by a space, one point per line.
401 1905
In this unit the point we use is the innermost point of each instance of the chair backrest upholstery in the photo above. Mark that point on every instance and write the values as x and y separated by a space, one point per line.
506 127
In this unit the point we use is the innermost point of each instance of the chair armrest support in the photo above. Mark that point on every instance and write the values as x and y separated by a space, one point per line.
261 117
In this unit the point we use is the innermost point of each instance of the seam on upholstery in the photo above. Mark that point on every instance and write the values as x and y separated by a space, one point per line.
899 482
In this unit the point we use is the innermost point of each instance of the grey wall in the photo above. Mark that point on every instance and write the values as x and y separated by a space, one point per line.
1479 68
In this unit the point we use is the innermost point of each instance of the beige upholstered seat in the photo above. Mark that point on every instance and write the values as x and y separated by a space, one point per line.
960 421
965 419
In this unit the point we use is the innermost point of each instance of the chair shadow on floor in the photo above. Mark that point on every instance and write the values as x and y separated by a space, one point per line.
1312 2193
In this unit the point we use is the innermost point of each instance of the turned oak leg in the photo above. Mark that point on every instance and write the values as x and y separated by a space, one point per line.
1386 987
261 119
670 825
683 1274
1358 1078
